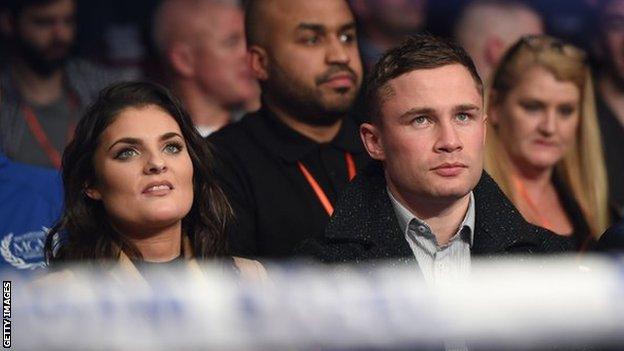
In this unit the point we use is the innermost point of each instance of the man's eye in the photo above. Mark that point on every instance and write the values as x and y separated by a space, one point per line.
463 117
420 120
126 154
347 37
311 40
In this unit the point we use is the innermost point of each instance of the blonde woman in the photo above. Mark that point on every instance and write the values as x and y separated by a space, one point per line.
543 146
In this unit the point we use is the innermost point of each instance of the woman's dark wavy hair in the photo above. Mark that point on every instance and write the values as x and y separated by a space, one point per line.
84 232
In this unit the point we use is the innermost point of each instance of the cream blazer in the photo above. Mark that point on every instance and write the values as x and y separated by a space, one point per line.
125 269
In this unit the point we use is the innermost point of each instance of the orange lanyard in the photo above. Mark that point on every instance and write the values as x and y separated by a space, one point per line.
543 221
37 130
320 194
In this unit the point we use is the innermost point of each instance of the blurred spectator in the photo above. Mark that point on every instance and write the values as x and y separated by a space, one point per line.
31 199
138 189
612 240
43 89
544 147
202 44
383 24
427 203
283 167
610 97
487 28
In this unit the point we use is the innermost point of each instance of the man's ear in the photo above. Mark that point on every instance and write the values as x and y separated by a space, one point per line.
371 137
485 127
258 62
181 59
92 192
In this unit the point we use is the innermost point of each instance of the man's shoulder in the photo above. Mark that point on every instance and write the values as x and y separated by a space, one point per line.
88 78
363 226
238 136
233 133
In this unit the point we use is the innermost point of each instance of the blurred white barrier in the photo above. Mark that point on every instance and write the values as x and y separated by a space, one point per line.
504 305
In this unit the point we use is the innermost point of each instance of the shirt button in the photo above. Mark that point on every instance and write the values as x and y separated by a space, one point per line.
422 229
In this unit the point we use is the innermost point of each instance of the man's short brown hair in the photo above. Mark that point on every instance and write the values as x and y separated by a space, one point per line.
421 51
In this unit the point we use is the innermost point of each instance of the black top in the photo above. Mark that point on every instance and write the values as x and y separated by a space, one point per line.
581 235
364 226
613 144
274 205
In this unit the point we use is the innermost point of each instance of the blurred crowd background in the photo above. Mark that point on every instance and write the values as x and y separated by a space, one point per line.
116 33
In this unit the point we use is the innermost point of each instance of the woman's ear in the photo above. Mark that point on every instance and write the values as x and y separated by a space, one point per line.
92 192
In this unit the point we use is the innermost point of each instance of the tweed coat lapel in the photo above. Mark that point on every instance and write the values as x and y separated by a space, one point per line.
367 228
364 226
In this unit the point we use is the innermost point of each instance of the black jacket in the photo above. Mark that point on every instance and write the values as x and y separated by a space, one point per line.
364 225
275 207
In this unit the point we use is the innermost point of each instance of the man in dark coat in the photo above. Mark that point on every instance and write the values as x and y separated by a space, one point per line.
427 199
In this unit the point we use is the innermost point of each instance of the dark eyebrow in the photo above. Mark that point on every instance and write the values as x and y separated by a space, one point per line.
321 28
417 111
348 26
136 141
127 140
467 107
170 135
311 26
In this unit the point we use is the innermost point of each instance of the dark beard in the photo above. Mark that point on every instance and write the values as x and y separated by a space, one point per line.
302 102
36 59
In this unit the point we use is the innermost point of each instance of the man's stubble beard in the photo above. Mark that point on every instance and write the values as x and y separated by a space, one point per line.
35 58
304 103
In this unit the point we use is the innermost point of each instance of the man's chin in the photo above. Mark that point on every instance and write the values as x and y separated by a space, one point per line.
452 189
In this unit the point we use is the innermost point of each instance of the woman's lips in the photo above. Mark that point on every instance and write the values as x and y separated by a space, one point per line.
158 188
545 143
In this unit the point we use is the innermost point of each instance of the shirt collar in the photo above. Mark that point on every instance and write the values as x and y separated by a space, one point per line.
405 217
293 146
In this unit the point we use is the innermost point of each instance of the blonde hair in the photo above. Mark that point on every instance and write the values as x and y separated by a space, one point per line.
582 169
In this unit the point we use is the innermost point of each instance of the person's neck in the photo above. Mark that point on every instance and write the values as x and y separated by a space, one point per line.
35 88
162 245
443 216
613 95
536 182
204 111
320 134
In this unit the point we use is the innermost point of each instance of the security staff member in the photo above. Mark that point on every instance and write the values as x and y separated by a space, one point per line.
283 167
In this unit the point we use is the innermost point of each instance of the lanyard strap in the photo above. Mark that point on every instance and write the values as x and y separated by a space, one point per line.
42 138
320 194
543 221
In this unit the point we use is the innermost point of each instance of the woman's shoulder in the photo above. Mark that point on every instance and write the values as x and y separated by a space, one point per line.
250 269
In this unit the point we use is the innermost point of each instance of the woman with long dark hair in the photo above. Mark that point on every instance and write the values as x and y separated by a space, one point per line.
139 187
